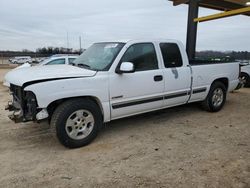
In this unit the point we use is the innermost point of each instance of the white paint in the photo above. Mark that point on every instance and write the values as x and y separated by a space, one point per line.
21 76
110 88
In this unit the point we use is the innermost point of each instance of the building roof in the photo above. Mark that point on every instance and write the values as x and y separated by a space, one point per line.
224 5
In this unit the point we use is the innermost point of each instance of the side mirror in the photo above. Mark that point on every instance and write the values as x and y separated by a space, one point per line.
126 67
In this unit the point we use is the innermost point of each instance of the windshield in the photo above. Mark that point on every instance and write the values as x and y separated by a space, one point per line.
99 56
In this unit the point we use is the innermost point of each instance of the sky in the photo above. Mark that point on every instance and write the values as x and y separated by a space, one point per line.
30 24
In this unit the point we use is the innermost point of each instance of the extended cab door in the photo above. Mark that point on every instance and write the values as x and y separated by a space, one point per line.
140 91
177 74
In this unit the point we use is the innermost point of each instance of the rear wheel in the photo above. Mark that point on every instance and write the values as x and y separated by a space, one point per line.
216 97
245 79
77 122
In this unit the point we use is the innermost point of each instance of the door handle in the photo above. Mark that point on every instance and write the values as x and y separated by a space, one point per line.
158 78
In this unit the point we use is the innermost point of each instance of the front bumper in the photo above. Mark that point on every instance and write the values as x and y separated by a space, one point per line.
17 112
27 112
23 105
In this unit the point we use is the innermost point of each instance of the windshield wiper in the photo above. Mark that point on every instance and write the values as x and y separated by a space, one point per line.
82 65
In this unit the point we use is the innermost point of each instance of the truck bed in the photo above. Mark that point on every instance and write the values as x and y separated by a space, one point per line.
205 72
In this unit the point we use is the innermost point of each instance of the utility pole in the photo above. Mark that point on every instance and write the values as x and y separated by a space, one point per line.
80 43
67 41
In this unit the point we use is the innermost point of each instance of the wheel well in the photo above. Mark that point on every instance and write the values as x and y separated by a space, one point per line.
222 80
52 106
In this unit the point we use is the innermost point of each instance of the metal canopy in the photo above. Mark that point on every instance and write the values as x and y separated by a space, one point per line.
223 5
231 8
223 14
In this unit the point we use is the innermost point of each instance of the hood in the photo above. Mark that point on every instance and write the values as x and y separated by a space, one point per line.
25 65
23 75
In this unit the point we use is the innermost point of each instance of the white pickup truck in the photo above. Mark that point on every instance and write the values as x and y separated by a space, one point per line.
112 80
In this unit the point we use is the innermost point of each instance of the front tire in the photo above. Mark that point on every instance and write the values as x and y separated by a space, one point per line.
216 97
77 122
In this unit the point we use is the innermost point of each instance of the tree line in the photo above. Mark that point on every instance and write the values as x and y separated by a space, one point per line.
233 55
40 52
57 50
48 51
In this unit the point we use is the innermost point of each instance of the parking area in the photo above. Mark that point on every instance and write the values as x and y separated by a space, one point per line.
177 147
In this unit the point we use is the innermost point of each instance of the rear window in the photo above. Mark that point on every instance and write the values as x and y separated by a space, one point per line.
171 55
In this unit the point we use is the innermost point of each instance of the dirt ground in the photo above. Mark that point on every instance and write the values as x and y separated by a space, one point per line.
177 147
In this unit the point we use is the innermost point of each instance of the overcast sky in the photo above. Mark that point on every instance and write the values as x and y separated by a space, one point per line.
29 24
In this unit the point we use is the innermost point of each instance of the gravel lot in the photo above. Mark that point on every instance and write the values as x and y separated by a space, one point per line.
177 147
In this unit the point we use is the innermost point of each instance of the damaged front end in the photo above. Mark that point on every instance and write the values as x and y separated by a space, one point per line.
23 105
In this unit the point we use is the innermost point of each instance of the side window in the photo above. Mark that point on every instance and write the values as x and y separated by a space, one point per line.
71 60
56 62
142 55
171 55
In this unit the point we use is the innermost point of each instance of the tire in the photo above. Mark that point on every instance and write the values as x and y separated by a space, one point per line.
216 97
77 122
246 79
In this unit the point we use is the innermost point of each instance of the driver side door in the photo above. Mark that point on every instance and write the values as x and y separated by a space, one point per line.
140 91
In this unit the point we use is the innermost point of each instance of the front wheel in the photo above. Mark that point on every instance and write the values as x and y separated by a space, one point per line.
216 97
77 122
